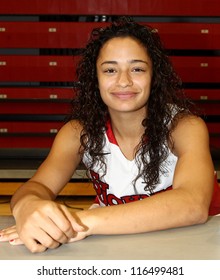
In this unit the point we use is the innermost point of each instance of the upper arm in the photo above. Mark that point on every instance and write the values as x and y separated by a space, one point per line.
194 170
63 159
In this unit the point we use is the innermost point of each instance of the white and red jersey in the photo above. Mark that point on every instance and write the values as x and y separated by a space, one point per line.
116 186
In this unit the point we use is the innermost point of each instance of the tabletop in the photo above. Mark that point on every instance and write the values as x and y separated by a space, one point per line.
198 242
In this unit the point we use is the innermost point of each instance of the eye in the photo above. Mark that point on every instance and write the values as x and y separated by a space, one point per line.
109 70
138 69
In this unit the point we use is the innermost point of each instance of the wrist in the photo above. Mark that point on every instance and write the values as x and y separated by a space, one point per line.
22 204
87 219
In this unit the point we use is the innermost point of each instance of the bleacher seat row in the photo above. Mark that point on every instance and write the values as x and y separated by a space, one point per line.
40 45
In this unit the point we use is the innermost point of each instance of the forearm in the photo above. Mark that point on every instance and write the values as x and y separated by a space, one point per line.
166 210
29 191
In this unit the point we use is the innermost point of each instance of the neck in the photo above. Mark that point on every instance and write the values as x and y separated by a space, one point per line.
127 126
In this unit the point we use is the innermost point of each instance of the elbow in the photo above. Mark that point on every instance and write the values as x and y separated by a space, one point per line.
202 217
199 214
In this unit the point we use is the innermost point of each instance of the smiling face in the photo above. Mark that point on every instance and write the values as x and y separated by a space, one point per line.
124 72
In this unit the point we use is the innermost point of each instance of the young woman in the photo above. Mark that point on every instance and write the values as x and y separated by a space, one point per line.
146 152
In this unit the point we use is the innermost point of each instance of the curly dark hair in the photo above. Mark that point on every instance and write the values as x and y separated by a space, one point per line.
166 99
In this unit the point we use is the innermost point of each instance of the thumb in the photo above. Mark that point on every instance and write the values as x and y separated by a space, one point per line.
77 226
75 223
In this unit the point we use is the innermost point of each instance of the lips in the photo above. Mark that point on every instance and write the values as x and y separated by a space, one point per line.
124 95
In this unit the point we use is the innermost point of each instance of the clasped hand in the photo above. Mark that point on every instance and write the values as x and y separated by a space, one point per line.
44 224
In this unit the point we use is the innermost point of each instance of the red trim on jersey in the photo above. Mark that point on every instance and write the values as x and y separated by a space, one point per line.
214 208
110 134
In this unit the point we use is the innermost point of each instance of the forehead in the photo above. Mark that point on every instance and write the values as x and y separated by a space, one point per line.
121 47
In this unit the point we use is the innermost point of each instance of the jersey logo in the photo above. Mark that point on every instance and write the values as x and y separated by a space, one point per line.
109 199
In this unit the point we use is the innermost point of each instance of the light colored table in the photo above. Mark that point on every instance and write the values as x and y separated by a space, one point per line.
199 242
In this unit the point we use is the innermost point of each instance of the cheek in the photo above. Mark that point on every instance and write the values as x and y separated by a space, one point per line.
143 85
105 84
102 90
147 83
148 86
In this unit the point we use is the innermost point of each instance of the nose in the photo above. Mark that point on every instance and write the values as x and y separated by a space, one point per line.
124 79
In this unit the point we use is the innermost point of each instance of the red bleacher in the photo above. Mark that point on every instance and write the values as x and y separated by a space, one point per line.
39 46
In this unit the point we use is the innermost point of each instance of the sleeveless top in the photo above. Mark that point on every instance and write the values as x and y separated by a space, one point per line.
116 186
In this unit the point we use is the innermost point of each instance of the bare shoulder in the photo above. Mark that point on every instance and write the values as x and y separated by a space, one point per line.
190 122
72 126
190 133
190 125
67 139
70 131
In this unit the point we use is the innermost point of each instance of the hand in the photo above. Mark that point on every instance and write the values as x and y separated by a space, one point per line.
87 221
79 236
42 224
10 234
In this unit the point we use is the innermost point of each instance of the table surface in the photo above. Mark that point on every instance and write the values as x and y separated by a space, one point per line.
199 242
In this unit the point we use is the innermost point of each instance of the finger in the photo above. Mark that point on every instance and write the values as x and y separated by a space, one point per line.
8 234
36 239
47 223
16 241
8 228
51 229
42 244
78 236
34 246
57 225
65 222
76 225
74 239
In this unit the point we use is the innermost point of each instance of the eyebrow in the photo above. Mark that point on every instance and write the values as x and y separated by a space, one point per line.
130 61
